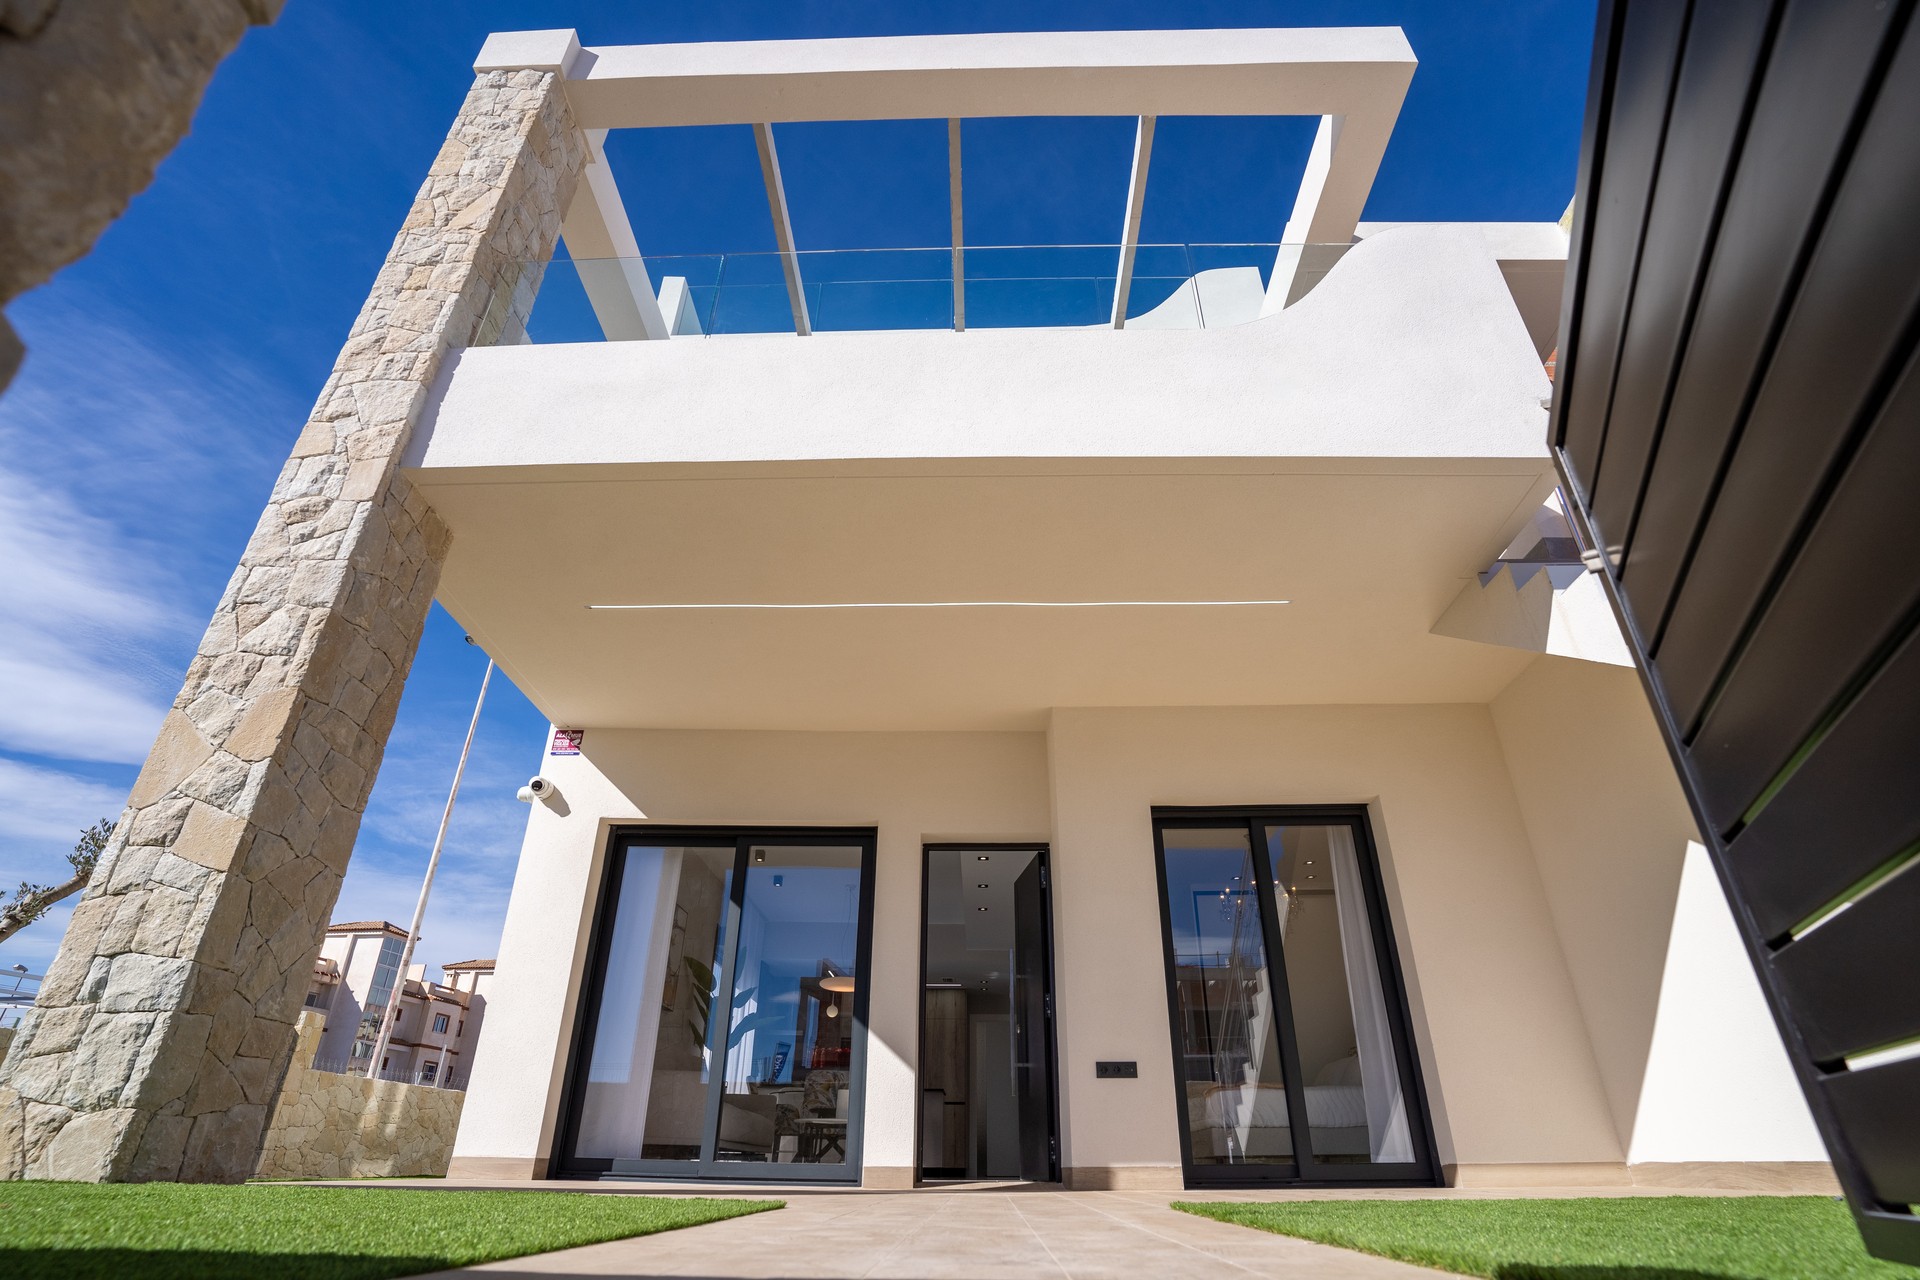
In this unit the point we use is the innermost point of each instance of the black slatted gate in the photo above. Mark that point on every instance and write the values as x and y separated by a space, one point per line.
1737 421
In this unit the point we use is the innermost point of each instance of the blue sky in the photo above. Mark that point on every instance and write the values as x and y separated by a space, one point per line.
169 371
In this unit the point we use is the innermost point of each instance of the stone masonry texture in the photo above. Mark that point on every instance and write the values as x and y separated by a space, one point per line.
93 96
165 1026
329 1125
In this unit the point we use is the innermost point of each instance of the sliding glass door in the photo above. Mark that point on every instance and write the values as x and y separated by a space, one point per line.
1290 1039
723 1030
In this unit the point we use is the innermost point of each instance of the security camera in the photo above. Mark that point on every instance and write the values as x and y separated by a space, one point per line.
537 788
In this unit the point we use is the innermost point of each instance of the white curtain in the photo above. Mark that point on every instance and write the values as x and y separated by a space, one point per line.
1388 1137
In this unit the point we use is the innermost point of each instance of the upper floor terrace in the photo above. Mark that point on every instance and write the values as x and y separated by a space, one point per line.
779 489
1425 318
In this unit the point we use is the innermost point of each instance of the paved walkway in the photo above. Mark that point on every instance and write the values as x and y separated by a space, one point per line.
975 1235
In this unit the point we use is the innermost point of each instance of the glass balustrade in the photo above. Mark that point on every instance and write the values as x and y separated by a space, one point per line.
1178 286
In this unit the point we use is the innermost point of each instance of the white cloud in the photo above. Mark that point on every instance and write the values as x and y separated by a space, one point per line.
80 639
46 805
124 476
468 907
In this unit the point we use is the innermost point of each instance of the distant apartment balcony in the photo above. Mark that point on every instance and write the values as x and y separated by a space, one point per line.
17 991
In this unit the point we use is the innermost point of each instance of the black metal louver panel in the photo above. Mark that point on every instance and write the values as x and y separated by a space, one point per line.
1737 420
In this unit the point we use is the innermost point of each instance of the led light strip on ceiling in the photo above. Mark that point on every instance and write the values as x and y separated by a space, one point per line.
966 604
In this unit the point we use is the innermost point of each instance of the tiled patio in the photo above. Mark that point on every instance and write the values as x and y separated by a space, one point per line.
947 1235
981 1231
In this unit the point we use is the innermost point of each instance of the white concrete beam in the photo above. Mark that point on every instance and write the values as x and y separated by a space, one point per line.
676 304
1353 78
600 240
1346 71
1130 225
555 50
959 233
782 227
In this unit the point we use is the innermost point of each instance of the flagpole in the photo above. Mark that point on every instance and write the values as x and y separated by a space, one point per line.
392 1011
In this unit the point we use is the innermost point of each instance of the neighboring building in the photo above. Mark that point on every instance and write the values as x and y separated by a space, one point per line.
17 990
1132 716
438 1022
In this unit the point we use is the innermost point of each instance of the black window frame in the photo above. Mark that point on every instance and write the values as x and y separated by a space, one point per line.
1304 1171
563 1164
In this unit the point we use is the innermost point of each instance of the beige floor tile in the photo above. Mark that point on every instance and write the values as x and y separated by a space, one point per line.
967 1235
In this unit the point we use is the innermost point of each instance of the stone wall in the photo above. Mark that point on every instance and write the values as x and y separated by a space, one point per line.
92 98
6 1042
328 1125
164 1026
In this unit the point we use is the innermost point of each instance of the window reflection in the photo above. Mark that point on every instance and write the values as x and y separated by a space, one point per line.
1236 1103
646 1087
790 1036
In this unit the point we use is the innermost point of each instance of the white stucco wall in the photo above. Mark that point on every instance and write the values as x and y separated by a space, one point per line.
1565 1012
1510 1075
1718 1085
1412 347
1692 1066
913 788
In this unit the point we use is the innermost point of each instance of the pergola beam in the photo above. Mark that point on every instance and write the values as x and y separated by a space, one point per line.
959 235
1353 78
1326 209
1260 71
1130 226
600 241
782 227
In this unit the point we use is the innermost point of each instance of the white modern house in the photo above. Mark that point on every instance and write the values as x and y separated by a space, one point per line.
1130 716
357 975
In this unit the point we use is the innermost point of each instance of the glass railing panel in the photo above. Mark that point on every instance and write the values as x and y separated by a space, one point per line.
561 311
1162 295
1172 286
698 277
1040 287
871 289
750 296
1231 281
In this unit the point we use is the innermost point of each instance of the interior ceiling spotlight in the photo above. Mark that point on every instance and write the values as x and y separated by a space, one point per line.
981 857
983 885
979 908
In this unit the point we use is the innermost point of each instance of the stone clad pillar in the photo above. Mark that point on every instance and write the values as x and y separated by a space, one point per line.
164 1026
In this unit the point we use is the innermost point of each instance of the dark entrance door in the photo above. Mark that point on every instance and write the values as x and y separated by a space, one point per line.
1291 1052
1032 1009
987 1077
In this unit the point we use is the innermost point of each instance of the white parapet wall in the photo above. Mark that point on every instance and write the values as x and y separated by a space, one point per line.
329 1125
1411 348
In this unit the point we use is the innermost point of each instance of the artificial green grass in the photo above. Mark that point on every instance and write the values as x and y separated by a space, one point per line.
1628 1238
170 1231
